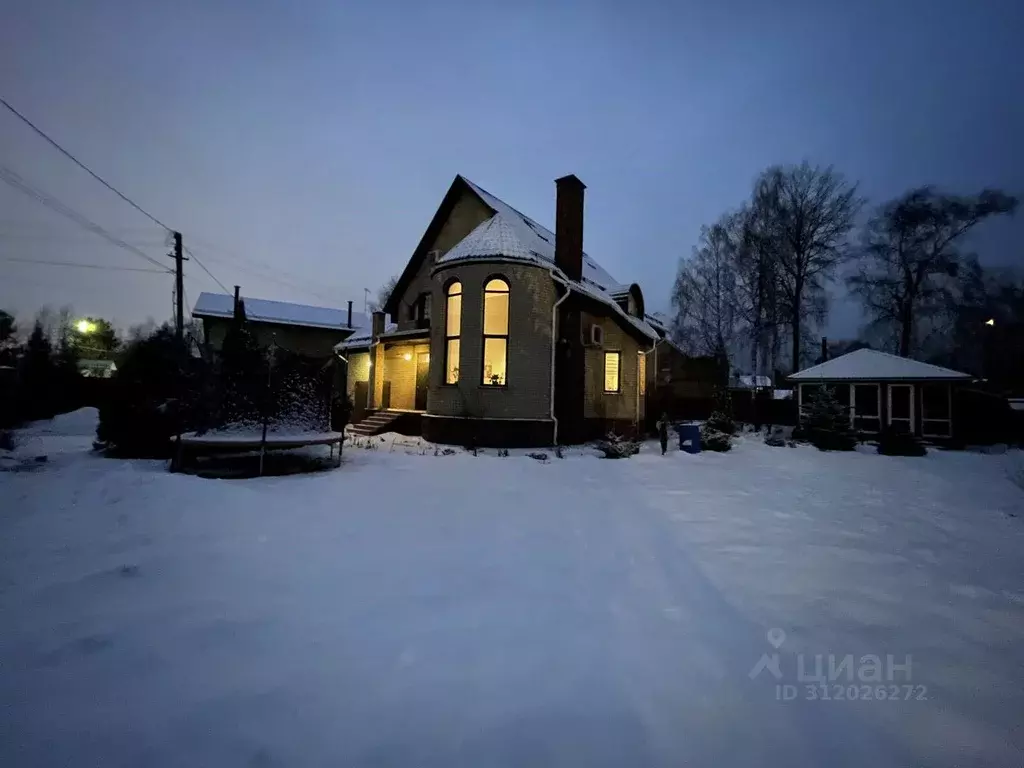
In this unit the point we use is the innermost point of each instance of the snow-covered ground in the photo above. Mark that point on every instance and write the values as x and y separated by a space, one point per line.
411 609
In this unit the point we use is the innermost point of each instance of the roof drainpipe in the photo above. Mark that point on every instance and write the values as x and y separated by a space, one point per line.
554 346
653 350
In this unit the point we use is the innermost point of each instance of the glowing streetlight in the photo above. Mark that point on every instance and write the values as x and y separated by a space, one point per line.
84 326
990 321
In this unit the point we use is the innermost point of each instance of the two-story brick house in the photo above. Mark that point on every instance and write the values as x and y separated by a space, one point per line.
504 333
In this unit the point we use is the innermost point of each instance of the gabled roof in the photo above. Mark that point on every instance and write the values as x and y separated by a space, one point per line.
872 365
540 241
512 236
278 312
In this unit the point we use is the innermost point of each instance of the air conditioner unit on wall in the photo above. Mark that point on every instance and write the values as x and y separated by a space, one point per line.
594 336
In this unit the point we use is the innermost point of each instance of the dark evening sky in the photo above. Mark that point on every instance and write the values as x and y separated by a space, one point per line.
302 147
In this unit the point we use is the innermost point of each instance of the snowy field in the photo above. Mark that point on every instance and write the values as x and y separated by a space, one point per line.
421 610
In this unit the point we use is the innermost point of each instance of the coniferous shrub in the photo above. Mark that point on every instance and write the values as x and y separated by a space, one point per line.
615 446
712 439
826 422
897 441
154 393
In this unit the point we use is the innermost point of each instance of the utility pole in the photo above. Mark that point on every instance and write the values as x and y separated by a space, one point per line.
179 288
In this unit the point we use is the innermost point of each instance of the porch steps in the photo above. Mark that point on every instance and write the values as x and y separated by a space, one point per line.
375 423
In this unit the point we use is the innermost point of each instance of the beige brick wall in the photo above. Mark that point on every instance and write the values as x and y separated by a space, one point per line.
597 403
358 370
402 373
467 214
527 394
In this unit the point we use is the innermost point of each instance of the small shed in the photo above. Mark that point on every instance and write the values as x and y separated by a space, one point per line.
887 390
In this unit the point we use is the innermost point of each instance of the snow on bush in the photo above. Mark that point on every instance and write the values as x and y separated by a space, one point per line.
776 437
712 439
617 447
721 422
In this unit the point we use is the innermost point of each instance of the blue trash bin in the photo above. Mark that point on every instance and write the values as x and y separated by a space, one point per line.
689 437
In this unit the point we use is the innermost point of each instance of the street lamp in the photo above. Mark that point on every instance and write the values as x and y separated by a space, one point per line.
990 321
84 326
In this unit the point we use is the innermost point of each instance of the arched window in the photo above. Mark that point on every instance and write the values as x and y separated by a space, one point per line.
452 331
495 332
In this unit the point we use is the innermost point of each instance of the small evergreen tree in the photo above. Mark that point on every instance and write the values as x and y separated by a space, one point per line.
37 376
154 393
826 422
721 419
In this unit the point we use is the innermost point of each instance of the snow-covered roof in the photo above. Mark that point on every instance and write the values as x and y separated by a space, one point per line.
281 312
511 236
540 240
872 365
362 338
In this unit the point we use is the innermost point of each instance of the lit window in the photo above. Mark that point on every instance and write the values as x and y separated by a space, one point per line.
495 332
452 329
641 372
611 371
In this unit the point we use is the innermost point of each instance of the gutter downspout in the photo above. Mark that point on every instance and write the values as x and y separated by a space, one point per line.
653 350
554 346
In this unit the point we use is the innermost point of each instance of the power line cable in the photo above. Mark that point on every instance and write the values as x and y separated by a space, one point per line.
272 278
84 167
86 266
14 180
203 267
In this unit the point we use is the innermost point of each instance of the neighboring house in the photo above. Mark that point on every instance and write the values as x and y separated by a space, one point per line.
505 333
886 390
97 369
306 330
748 382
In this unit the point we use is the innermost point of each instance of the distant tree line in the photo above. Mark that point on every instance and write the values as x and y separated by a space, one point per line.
40 365
755 288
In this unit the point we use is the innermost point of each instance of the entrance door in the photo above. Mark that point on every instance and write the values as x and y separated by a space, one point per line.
901 406
422 377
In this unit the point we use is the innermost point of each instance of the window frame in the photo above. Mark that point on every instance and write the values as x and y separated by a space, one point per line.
618 372
448 295
484 336
947 420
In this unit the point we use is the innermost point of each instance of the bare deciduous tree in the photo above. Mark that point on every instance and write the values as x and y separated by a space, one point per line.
910 266
757 286
704 295
809 212
383 293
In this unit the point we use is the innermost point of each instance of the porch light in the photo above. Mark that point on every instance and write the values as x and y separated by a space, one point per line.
407 356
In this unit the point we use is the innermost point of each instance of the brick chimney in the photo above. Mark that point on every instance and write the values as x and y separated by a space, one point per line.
569 226
378 324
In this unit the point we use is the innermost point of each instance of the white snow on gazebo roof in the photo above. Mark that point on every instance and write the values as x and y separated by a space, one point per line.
281 312
872 365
